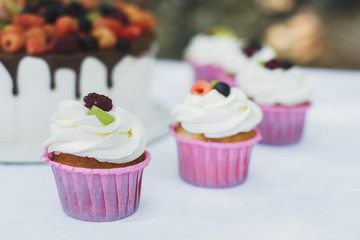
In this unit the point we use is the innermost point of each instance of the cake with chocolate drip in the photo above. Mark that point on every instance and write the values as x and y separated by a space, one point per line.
109 49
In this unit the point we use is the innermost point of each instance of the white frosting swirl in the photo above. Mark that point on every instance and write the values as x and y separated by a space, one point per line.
217 116
278 86
224 51
219 50
75 132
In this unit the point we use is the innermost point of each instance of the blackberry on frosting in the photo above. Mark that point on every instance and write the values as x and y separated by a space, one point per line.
101 101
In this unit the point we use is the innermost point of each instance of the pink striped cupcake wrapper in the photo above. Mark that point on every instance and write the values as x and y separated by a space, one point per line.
282 125
211 72
98 195
211 164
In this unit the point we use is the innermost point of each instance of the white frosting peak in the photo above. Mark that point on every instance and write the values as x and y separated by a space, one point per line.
278 86
217 116
219 50
75 132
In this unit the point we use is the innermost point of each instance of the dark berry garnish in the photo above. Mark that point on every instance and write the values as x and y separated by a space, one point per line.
28 9
62 11
75 9
101 101
222 88
84 24
53 11
90 43
105 9
252 48
287 64
65 44
119 15
51 14
273 64
122 45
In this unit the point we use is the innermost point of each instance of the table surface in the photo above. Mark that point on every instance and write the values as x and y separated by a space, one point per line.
310 190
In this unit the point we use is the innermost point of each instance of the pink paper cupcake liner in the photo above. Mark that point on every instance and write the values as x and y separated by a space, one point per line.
211 72
211 164
282 125
98 195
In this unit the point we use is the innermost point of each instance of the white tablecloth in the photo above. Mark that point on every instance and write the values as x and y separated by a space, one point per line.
310 190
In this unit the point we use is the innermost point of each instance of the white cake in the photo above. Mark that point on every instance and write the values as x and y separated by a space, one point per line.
24 118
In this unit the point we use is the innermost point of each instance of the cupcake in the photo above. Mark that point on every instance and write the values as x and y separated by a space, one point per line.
215 130
283 93
214 52
97 154
218 54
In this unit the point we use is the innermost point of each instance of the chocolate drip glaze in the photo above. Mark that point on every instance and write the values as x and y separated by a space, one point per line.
74 61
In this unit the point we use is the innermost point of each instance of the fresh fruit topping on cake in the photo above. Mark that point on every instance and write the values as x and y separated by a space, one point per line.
201 88
287 64
90 43
106 38
84 24
119 16
222 88
13 29
12 42
103 116
75 9
66 26
251 48
101 101
214 82
144 19
122 45
35 46
10 8
53 11
89 5
49 21
131 32
110 23
36 33
49 31
93 16
28 20
105 9
273 64
65 44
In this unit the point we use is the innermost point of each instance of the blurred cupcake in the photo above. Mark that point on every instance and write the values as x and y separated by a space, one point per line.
215 52
97 154
215 132
283 93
